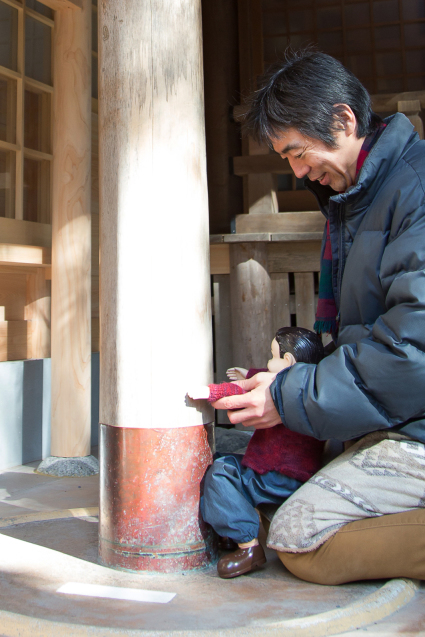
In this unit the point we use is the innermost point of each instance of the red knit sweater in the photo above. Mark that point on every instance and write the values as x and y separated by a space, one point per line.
277 448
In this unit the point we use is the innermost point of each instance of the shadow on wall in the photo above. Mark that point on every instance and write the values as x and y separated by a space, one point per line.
25 401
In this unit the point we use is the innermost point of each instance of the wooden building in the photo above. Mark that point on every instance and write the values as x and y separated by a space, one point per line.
264 226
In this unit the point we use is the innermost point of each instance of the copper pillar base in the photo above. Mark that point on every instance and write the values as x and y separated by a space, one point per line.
150 482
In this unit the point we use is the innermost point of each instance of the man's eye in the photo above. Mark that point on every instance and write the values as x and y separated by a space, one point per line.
299 156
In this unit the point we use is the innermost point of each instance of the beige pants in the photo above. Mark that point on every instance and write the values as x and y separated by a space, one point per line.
374 548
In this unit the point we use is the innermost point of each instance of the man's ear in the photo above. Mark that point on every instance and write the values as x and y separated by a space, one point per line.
289 359
345 118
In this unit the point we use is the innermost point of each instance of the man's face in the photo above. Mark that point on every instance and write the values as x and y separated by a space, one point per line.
334 167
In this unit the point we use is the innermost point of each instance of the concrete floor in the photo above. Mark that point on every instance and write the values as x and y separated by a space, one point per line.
38 556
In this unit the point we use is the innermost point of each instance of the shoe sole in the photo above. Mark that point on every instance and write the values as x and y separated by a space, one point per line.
246 570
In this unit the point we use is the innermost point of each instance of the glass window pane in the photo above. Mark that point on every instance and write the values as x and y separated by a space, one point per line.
414 34
274 23
357 14
329 18
387 37
416 83
301 20
385 11
37 121
37 191
8 36
331 42
389 64
38 50
7 183
7 110
358 41
413 9
415 62
40 8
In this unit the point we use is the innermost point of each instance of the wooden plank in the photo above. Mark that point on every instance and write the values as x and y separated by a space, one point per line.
38 87
37 312
13 290
38 155
14 341
300 256
71 233
219 259
296 200
26 255
57 5
95 334
2 313
28 233
8 146
304 299
309 221
258 164
281 316
222 334
387 103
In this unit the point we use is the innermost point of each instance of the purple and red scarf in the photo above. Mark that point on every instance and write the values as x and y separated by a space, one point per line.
326 313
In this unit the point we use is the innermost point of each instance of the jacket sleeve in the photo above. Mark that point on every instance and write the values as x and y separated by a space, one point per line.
379 381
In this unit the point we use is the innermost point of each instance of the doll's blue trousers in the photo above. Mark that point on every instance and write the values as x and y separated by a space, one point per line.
232 491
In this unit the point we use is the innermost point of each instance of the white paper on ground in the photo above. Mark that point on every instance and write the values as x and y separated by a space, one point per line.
115 592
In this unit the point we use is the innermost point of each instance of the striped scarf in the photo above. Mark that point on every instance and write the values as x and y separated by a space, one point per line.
326 314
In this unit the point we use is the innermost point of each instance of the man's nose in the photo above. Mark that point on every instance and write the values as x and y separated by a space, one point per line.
300 168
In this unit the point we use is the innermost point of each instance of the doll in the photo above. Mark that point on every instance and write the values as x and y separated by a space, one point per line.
276 463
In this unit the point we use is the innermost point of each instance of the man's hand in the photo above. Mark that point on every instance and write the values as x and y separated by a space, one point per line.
256 408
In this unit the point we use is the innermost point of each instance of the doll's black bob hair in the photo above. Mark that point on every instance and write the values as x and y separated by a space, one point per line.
305 345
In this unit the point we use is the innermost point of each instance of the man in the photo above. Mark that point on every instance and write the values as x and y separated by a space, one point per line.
369 179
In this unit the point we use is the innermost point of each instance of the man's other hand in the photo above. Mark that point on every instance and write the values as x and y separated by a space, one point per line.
254 409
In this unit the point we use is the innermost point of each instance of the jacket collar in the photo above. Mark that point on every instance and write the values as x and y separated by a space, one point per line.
394 141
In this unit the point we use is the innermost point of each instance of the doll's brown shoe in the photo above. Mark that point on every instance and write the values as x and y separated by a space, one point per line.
227 544
241 561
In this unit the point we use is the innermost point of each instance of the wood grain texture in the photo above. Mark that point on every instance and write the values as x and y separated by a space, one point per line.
14 342
251 302
71 234
219 259
285 222
304 299
222 334
281 316
299 256
28 233
58 5
152 171
37 313
21 254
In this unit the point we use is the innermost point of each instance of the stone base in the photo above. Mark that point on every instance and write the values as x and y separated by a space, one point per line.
69 467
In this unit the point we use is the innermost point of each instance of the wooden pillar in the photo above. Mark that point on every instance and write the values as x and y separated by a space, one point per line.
71 251
252 310
155 297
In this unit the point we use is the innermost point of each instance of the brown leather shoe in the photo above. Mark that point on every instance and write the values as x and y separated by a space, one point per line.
227 544
241 561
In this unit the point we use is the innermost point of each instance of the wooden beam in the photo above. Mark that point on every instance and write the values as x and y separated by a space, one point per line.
260 164
14 340
220 259
294 257
29 233
58 5
71 233
25 255
281 223
37 313
387 103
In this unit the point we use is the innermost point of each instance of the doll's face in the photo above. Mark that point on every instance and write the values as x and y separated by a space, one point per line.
276 363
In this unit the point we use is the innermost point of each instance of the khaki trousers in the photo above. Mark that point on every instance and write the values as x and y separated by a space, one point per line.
373 548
